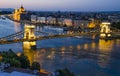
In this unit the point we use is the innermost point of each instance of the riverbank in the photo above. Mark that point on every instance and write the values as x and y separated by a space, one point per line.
45 24
27 22
21 21
19 62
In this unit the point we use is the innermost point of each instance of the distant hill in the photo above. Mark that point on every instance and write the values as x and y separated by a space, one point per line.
7 9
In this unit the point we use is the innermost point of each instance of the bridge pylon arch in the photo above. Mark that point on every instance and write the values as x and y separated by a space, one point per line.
105 30
29 34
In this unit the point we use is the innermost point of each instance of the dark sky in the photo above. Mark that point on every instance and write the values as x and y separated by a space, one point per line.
63 5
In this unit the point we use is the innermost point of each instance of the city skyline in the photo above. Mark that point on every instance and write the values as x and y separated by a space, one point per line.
64 5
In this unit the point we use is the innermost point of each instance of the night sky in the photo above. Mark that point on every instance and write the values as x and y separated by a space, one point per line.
63 5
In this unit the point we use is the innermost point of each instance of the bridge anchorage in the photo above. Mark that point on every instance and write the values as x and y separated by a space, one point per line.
29 35
105 31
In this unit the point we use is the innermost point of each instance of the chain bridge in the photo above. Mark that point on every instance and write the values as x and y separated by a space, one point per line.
29 35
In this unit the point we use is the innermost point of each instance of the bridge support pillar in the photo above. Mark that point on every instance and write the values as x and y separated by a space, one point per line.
29 34
29 45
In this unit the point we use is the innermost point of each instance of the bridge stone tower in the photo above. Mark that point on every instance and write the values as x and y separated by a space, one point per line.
29 33
105 30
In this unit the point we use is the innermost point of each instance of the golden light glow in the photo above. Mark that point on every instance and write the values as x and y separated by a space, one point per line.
18 12
105 28
68 22
29 32
1 57
102 35
78 47
105 45
26 45
85 46
33 43
93 45
109 35
18 54
30 54
91 25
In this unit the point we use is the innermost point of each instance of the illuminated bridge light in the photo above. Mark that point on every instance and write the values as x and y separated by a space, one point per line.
109 35
18 54
102 35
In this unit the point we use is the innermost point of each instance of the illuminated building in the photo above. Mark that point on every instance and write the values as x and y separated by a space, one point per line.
77 23
33 18
94 23
18 13
51 20
60 21
80 23
41 19
91 25
68 22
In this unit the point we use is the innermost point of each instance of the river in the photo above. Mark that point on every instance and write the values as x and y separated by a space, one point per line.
82 56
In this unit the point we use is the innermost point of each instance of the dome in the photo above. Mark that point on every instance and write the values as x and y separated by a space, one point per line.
22 7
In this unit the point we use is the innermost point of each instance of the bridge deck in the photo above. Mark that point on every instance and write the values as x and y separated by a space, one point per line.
43 38
3 41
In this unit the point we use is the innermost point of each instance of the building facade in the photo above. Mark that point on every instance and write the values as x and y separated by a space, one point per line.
68 22
18 12
33 18
51 20
41 19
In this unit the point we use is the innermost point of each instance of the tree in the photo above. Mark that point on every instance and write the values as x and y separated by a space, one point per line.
116 25
35 66
14 60
24 61
64 72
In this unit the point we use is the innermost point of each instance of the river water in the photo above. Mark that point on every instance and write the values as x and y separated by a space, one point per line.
83 56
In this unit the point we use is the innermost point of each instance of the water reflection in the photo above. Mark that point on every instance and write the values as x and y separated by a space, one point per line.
78 47
85 46
17 27
105 50
69 56
93 45
106 46
30 55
